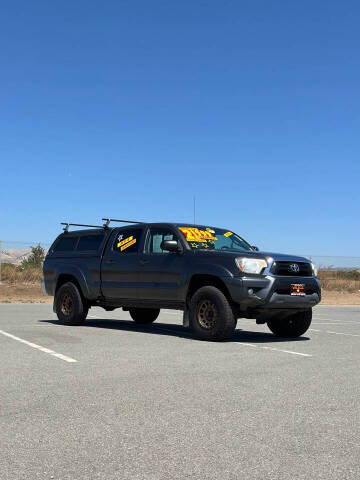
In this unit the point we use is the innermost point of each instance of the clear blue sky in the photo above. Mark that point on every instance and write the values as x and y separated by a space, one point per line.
127 108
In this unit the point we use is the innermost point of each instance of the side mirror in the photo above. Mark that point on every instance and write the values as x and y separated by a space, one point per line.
255 248
170 246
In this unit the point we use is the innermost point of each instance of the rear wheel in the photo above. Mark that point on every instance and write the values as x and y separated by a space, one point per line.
69 305
211 315
293 326
144 315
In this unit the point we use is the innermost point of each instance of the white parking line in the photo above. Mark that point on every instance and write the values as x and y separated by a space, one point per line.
247 344
328 323
45 325
275 349
39 347
334 333
341 333
322 319
185 334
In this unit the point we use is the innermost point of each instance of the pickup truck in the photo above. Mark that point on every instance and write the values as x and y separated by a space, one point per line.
212 274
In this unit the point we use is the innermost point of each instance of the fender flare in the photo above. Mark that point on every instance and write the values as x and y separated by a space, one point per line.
78 275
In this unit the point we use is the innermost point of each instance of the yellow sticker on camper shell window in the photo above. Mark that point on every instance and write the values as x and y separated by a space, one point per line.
128 244
120 244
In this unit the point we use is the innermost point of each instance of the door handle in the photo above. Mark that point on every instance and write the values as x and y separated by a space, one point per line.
109 261
143 262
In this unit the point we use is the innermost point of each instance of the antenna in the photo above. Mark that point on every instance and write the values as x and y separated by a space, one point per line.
194 208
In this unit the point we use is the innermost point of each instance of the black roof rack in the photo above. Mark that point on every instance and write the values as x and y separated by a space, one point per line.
67 225
108 220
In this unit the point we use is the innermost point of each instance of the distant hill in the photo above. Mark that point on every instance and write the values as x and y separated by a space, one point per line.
14 256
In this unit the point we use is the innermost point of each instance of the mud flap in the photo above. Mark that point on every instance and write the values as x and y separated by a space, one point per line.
186 321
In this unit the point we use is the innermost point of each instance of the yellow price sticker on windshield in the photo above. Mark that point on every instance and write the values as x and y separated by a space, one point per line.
227 234
193 234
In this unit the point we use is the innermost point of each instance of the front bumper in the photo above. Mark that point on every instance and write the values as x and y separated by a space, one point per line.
273 292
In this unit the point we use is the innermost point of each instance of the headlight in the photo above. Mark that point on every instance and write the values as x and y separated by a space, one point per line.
251 265
314 270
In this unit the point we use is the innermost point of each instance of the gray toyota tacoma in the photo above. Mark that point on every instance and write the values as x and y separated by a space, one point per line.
212 274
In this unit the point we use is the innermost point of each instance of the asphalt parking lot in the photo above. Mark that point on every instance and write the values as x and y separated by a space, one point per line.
113 400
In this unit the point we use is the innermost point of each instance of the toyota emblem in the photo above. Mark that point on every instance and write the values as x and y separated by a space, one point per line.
294 267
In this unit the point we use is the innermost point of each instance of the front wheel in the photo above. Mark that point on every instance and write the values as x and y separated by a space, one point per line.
293 326
144 315
211 315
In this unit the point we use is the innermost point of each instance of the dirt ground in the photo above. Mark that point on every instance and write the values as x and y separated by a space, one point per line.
340 298
23 293
29 293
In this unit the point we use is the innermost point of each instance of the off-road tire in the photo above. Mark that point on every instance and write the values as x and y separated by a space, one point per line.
144 315
218 326
70 307
292 326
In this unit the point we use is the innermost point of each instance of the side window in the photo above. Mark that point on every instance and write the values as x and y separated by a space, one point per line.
155 237
127 241
90 242
66 244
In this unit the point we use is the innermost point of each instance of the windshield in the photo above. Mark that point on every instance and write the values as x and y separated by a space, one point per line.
214 239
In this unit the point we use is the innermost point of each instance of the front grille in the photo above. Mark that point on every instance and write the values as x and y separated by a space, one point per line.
292 269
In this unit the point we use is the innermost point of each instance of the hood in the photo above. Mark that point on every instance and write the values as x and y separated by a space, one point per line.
280 257
284 257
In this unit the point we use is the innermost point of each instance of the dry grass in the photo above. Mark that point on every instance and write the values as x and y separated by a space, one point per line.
13 274
340 280
21 285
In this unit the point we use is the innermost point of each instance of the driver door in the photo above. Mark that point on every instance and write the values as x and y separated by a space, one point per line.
162 273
